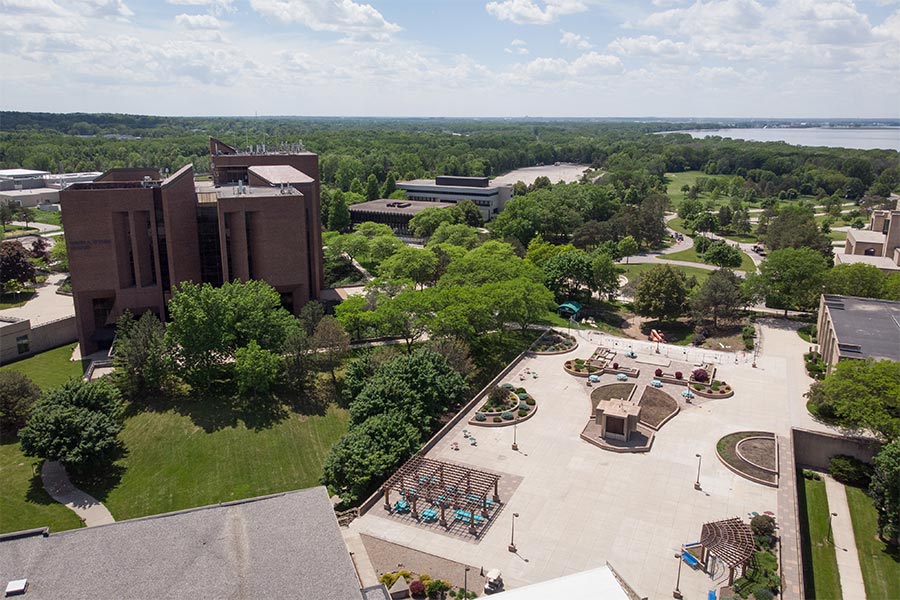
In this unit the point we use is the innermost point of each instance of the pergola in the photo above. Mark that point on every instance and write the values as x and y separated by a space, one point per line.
444 485
731 541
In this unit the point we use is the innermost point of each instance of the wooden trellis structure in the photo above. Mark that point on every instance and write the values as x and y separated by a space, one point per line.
731 541
443 485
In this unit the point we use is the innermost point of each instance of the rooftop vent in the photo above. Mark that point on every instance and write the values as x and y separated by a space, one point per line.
16 587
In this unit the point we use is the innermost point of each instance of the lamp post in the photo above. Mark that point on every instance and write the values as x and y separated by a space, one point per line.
515 445
466 583
677 592
512 535
699 462
830 536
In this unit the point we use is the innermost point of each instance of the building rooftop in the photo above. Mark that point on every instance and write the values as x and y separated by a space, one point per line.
29 192
21 173
617 407
882 262
865 327
254 191
282 546
586 585
866 235
385 205
470 184
276 174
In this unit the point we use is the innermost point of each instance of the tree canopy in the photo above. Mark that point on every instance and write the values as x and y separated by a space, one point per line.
661 293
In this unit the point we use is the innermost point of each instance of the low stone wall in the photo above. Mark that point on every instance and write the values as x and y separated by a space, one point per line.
814 449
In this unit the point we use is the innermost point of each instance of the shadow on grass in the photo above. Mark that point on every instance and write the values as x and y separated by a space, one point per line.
102 479
676 332
809 586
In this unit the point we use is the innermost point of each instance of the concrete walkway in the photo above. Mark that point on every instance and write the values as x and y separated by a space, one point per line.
42 227
852 586
88 508
364 569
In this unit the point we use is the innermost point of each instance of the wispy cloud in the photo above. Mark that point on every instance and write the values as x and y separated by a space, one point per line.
526 12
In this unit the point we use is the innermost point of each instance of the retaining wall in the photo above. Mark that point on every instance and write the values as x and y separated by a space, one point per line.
814 449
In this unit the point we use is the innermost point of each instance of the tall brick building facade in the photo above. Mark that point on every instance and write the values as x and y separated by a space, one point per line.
132 236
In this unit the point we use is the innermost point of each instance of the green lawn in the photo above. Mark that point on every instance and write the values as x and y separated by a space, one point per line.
880 567
820 571
633 270
676 180
15 300
23 502
690 255
49 369
179 459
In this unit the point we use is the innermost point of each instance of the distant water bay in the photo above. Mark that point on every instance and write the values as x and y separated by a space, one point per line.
860 138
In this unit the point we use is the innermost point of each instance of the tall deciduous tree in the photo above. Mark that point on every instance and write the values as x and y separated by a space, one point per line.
790 278
332 344
14 263
413 264
885 491
256 370
661 293
861 280
723 254
17 397
795 227
719 296
567 274
338 213
605 275
626 247
142 360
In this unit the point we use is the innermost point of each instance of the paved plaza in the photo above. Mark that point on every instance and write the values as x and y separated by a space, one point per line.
581 506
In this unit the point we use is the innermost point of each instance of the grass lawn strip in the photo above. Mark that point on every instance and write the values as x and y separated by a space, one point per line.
820 570
880 567
23 502
171 463
633 271
727 449
49 369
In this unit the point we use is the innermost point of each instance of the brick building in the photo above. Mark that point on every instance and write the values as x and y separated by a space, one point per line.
133 236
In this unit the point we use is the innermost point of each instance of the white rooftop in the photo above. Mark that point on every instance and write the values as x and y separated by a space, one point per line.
596 584
22 173
882 262
866 235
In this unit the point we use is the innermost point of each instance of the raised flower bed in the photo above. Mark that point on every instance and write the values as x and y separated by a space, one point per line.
580 367
505 405
554 342
714 389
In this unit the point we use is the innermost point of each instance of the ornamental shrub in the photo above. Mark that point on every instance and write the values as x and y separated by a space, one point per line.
615 365
522 395
658 372
850 470
700 375
530 401
497 419
698 387
762 525
480 417
679 375
507 416
523 412
524 406
417 589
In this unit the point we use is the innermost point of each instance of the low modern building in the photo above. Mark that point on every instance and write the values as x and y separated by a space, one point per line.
879 245
40 197
490 199
132 236
394 213
282 546
859 328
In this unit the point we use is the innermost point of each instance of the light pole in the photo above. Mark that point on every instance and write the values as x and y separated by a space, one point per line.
515 445
830 536
466 583
699 462
677 592
512 535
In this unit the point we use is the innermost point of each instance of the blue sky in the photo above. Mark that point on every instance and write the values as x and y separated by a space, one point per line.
662 58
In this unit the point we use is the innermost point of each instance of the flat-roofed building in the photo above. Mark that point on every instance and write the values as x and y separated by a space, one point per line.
490 199
859 328
879 245
133 236
394 213
281 546
32 197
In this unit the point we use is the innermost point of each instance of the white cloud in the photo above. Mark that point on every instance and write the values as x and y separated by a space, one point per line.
527 12
574 40
341 16
197 21
214 6
516 46
651 46
586 65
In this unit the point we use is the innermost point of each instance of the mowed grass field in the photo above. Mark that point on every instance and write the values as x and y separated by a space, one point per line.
49 369
690 255
171 463
820 571
632 271
23 502
880 565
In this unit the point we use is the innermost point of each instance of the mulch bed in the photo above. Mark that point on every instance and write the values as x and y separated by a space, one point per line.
611 390
656 406
727 449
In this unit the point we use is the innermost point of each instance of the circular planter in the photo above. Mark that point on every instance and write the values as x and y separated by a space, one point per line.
568 340
490 423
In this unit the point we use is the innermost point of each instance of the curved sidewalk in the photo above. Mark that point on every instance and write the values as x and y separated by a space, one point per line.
88 508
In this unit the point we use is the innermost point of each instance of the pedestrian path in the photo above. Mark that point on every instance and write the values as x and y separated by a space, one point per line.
852 586
56 481
364 569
